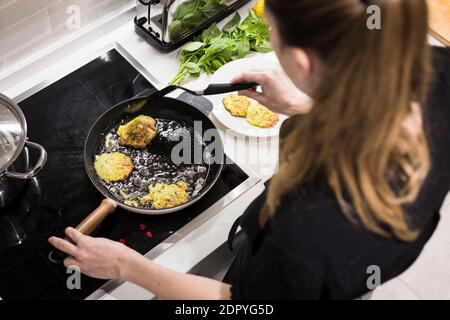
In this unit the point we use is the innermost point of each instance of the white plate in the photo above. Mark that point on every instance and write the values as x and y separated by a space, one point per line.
238 124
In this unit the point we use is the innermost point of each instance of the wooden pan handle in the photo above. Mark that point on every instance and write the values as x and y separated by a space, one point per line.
92 221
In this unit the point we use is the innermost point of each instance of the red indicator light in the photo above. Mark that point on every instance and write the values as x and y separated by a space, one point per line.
122 241
142 226
149 234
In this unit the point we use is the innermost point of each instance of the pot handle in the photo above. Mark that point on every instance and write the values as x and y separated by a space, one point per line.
92 221
37 167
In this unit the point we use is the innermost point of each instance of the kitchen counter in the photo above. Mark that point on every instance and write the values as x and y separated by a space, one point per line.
440 20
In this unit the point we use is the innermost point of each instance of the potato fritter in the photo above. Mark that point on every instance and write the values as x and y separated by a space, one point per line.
113 167
137 133
163 196
236 105
259 116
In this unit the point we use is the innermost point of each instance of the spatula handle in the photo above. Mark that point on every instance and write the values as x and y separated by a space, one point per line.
220 88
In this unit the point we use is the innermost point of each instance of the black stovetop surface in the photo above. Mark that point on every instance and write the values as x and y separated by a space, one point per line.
59 117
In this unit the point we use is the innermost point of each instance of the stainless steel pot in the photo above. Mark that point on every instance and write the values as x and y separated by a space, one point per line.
14 166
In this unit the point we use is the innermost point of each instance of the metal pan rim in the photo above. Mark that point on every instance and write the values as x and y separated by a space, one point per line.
143 210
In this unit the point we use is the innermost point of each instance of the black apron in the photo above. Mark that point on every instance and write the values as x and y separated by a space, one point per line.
246 242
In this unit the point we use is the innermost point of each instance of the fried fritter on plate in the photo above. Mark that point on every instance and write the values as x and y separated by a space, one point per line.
259 116
236 105
113 167
138 133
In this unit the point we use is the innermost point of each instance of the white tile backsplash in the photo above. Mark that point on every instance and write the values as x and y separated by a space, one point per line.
19 10
4 3
22 36
90 10
27 26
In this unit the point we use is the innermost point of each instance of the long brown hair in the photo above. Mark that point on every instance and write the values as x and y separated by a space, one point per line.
352 135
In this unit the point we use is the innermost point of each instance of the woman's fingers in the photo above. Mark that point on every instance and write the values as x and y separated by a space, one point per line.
63 245
73 234
66 246
259 77
240 78
253 94
70 262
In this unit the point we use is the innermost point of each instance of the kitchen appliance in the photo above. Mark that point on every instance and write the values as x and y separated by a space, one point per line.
59 118
168 24
14 149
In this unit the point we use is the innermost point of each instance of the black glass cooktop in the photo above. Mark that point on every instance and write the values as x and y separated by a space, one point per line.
59 118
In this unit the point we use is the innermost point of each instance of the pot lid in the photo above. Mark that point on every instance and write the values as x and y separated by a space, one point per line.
13 131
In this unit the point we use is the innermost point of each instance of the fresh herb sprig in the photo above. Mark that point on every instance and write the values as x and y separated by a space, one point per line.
192 13
215 48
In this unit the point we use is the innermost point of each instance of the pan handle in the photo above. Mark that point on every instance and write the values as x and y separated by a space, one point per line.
88 225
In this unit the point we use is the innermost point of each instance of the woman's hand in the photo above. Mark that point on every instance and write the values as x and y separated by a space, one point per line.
278 94
96 257
106 259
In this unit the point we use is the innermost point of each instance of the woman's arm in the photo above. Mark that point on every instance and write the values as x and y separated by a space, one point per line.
171 285
106 259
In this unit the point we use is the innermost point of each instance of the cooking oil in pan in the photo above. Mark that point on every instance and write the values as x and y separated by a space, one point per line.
154 164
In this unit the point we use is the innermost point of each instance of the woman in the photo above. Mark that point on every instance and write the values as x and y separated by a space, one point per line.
354 188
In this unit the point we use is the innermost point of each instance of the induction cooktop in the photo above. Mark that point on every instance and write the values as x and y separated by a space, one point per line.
59 118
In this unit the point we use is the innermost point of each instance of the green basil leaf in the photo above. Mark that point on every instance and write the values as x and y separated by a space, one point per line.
210 34
176 29
216 64
192 46
232 23
192 20
192 68
185 8
264 47
242 48
213 8
218 46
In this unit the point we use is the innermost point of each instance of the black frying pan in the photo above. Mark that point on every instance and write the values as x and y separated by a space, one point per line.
166 111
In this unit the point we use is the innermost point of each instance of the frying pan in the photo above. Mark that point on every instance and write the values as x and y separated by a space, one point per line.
157 106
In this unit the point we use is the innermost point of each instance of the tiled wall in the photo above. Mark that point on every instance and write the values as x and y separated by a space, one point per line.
30 25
